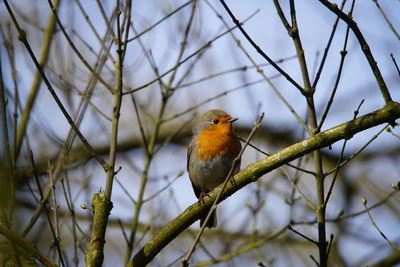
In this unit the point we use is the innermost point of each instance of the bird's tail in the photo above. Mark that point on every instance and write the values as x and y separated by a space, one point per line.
212 222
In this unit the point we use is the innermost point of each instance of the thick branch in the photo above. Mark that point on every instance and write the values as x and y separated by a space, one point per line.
389 260
101 208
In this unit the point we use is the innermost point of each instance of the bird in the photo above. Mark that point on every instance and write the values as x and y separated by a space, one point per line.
212 150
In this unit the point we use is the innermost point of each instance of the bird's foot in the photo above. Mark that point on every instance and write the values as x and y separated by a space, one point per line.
202 196
232 180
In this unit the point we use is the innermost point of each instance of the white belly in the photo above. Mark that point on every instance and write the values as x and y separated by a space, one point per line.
209 174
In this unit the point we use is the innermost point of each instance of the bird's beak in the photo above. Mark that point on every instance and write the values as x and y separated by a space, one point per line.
232 120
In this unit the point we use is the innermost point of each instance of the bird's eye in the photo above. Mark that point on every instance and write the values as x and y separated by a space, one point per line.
215 121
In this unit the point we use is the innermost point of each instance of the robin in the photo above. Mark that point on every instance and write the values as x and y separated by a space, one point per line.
211 152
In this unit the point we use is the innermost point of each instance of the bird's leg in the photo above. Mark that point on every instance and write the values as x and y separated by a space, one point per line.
202 196
232 180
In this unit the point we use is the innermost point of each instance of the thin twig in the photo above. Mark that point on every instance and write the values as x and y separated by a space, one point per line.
261 72
164 188
161 20
62 155
291 180
364 200
94 30
125 28
123 231
340 158
84 94
224 93
343 54
259 50
176 132
243 249
54 208
395 63
314 260
326 50
233 70
75 49
268 154
35 86
71 209
387 20
22 37
302 235
184 41
358 151
44 203
166 93
106 21
364 47
392 133
329 246
125 190
133 98
205 46
351 215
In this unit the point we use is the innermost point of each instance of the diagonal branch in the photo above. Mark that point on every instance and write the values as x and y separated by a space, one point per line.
27 246
33 92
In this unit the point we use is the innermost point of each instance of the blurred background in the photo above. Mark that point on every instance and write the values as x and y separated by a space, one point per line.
183 58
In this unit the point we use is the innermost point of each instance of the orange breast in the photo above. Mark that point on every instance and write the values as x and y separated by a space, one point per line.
217 142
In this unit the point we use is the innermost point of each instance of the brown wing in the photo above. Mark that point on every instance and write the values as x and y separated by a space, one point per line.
197 190
189 151
238 148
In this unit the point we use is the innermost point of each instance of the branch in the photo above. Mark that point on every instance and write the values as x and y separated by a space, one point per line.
388 261
364 47
33 92
94 255
387 20
22 38
27 246
101 210
259 50
243 249
196 52
254 171
364 201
